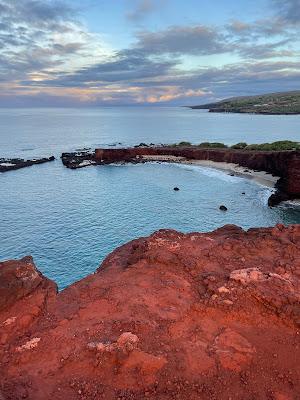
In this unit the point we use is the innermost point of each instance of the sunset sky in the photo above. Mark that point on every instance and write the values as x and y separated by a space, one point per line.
157 52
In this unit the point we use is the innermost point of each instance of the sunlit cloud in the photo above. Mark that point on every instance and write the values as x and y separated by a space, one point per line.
49 56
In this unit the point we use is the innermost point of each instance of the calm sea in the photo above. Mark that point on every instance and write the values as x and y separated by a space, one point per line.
69 220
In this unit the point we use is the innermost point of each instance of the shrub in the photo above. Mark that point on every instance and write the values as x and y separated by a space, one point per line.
239 146
275 146
213 145
184 144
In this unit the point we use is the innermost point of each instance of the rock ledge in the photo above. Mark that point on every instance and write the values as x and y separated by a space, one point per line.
171 316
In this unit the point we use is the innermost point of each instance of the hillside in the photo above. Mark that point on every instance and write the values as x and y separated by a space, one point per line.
272 103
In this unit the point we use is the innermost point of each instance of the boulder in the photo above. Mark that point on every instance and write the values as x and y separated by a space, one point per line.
223 208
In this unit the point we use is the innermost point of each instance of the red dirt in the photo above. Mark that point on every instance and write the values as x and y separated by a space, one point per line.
172 316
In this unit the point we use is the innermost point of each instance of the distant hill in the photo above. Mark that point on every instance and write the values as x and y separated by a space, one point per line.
272 103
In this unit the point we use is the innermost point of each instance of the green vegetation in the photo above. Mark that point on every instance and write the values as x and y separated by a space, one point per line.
184 144
275 146
239 146
205 145
213 145
273 103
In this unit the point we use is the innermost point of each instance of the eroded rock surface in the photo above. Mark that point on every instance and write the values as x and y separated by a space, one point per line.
171 316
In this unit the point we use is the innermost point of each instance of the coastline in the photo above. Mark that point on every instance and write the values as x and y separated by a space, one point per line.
260 177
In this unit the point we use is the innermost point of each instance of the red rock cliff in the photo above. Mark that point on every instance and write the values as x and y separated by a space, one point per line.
285 164
171 316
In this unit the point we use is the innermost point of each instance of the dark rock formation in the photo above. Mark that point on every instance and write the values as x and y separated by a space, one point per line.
78 159
9 164
171 316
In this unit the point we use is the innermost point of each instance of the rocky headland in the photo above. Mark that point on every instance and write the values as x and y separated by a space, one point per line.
170 316
283 164
10 164
282 103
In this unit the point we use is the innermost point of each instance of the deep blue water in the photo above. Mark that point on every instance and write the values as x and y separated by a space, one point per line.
69 220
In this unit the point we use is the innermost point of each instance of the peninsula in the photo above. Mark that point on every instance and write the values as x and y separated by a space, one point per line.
272 103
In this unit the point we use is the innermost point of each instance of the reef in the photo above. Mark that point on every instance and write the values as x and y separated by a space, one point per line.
170 316
285 164
9 164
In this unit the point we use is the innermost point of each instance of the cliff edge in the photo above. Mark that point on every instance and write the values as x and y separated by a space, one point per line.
170 316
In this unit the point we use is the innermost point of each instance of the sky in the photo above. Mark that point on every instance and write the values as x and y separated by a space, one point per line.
145 52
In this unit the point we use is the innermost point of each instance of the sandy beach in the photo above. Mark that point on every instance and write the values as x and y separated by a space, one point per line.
260 177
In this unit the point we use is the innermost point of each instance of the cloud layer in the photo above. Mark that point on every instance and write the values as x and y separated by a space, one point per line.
48 57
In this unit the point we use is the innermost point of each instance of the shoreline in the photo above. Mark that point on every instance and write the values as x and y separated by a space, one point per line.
260 177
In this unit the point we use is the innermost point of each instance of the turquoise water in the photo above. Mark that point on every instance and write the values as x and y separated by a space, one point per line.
69 220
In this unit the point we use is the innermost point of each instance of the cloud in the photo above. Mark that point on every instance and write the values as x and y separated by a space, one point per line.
142 10
267 50
47 57
196 40
245 78
288 10
126 66
177 87
39 36
284 21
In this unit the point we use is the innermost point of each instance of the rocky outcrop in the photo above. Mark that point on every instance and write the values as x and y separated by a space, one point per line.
19 279
78 159
170 316
9 164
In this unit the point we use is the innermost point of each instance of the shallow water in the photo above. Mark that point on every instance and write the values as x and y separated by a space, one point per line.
69 220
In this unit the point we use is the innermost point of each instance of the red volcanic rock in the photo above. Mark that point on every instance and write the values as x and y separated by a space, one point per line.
18 279
171 316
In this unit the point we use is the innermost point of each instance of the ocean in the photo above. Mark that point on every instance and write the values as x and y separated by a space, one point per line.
69 220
